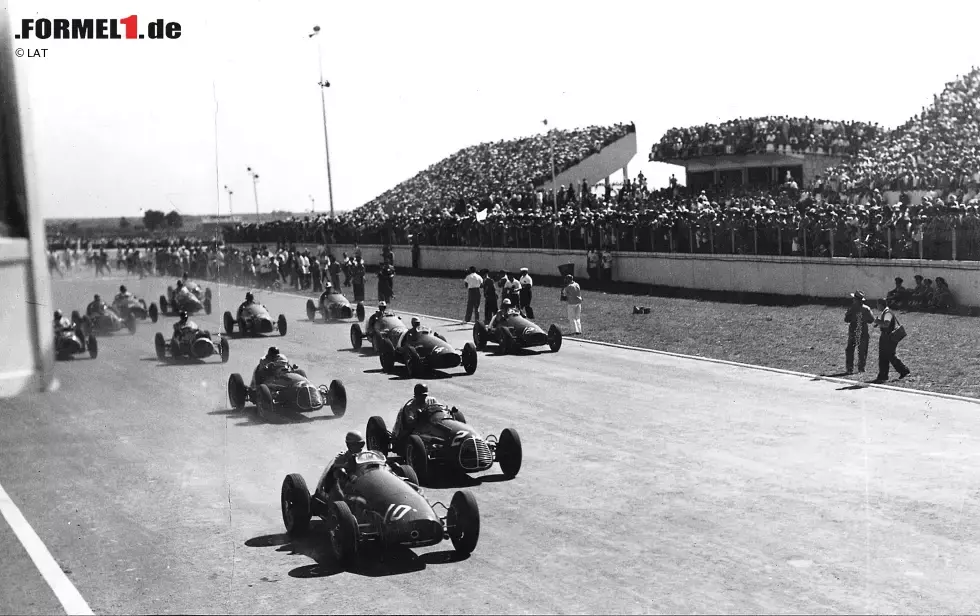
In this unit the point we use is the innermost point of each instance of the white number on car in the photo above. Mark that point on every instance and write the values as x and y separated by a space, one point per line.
396 513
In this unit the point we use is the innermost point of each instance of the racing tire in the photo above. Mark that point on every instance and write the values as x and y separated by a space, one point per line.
338 398
416 369
310 310
360 311
463 522
225 350
174 348
554 338
265 402
415 455
281 325
131 323
470 358
407 473
237 392
207 305
93 347
479 335
345 535
207 295
164 306
154 313
506 341
229 322
161 346
243 327
356 336
510 453
295 502
377 436
387 355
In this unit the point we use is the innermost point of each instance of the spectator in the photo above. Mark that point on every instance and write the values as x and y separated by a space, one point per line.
525 292
473 283
489 296
572 294
592 259
897 296
357 280
888 344
858 317
607 264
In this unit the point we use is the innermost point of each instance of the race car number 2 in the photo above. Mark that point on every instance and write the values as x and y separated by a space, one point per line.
396 512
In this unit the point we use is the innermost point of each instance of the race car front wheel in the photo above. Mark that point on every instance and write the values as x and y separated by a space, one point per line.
510 453
93 347
295 498
237 393
345 536
161 346
310 310
338 398
470 358
463 522
415 455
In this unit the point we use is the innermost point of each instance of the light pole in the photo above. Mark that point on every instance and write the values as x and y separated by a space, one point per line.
230 192
323 106
255 190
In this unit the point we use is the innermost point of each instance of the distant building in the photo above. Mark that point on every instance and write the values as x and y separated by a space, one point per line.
768 169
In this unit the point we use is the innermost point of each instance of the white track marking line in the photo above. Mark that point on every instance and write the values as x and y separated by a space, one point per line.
67 594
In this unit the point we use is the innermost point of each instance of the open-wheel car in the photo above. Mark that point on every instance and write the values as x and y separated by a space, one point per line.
441 437
377 504
380 327
254 319
189 298
75 340
198 344
126 306
105 322
332 305
514 331
289 388
421 350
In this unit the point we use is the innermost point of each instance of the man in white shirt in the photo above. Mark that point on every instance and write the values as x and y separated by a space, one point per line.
572 294
525 292
473 283
511 289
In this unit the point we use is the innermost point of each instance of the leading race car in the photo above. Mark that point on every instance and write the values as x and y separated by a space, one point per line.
442 437
197 344
69 342
187 297
421 350
106 322
289 388
514 331
254 319
333 305
380 504
127 306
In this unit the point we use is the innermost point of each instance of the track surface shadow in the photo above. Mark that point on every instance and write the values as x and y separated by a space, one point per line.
252 416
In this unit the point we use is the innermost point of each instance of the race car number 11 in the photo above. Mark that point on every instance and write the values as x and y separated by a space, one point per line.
396 513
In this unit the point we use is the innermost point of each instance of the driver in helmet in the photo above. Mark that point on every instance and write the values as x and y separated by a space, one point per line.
181 289
97 307
408 416
184 327
249 300
272 364
61 322
382 312
506 308
412 335
123 294
344 464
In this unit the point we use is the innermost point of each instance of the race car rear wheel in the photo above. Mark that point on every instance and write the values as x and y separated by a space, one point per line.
243 327
310 310
237 392
229 322
93 347
207 295
356 336
510 453
360 311
131 323
377 436
554 338
344 534
225 350
154 313
386 353
407 472
470 358
338 398
480 335
207 305
415 455
266 402
295 499
506 341
281 325
463 522
164 306
414 363
161 346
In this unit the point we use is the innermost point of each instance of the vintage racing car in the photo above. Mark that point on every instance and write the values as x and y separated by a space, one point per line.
333 305
442 437
254 319
192 301
108 322
381 504
421 352
196 345
290 389
515 331
71 342
126 306
388 327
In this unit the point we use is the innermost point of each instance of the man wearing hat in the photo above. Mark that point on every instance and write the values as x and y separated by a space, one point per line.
858 317
898 295
511 288
572 294
473 283
345 463
525 292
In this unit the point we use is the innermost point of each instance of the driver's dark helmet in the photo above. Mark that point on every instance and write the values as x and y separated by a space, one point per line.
421 392
416 323
272 353
327 286
249 297
183 315
355 441
382 306
57 315
98 297
186 275
180 283
122 288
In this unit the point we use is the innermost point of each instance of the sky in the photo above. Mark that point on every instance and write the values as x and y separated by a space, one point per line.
123 126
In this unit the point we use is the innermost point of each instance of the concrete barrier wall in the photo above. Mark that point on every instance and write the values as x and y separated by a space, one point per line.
805 276
18 363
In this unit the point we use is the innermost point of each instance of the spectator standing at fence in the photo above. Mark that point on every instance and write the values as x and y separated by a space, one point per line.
525 292
593 264
888 344
357 280
334 269
386 278
316 275
473 283
607 264
897 296
857 317
511 289
572 295
489 296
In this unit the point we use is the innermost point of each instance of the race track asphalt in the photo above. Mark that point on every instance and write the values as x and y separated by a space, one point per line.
650 484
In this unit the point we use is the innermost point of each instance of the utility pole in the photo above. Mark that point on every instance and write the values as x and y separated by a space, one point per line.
323 107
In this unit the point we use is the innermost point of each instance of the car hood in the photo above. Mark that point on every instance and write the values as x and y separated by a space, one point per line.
377 489
255 312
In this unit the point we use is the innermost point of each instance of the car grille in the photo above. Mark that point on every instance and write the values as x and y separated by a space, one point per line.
443 361
203 347
535 339
265 327
474 455
308 398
